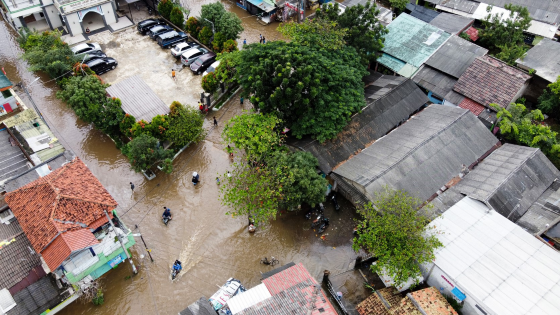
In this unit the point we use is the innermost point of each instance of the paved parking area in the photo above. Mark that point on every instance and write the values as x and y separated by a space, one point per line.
140 55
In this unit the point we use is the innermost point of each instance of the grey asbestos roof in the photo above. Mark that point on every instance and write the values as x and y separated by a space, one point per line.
200 307
544 58
543 212
12 158
17 258
422 13
36 298
510 179
547 11
459 5
390 102
451 23
138 99
421 155
439 83
455 56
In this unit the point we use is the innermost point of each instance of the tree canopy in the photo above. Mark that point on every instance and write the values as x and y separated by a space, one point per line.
145 151
314 91
363 30
395 231
225 22
549 101
185 125
316 32
503 33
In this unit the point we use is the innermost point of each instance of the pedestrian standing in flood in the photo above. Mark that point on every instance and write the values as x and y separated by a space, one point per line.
215 122
241 101
173 74
245 42
264 40
132 187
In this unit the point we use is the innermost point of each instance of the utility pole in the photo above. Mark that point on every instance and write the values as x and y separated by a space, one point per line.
134 270
145 246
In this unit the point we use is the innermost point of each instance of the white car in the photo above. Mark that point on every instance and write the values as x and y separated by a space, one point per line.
212 67
85 48
180 48
191 55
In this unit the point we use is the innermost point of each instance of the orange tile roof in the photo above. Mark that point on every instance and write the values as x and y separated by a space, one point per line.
433 302
70 198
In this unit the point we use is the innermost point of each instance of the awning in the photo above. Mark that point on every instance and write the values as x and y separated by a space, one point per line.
266 7
473 33
5 83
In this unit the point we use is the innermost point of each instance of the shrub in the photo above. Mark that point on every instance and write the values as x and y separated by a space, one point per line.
158 127
126 124
140 128
205 35
144 151
229 46
185 125
218 42
165 7
210 83
192 26
176 17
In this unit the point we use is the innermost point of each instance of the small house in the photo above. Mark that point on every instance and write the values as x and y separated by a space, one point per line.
544 60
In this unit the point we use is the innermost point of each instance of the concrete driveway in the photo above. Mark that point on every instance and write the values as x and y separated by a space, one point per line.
140 55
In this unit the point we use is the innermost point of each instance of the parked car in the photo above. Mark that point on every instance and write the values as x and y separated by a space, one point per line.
145 25
191 55
160 29
94 55
180 48
169 39
85 48
203 62
212 67
102 65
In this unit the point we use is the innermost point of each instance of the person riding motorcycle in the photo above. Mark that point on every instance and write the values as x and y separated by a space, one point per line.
195 178
167 214
177 265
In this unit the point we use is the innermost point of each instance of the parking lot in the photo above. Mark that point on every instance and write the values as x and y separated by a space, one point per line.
142 56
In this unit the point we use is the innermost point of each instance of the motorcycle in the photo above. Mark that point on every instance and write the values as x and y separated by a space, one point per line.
336 205
309 214
165 220
150 11
324 224
317 222
176 271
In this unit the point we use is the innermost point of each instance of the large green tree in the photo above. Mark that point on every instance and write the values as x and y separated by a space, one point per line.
315 32
145 151
85 95
176 17
549 101
399 5
502 33
363 30
520 126
314 91
225 22
395 231
185 125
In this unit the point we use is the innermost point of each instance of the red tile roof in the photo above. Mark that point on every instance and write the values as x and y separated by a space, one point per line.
473 33
68 199
471 105
489 80
293 278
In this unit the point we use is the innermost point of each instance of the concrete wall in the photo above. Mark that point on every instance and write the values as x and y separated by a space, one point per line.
108 13
38 16
74 26
52 14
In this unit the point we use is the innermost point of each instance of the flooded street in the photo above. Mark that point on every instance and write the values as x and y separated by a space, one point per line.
212 246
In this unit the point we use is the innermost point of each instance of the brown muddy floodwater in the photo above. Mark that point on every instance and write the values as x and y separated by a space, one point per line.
212 246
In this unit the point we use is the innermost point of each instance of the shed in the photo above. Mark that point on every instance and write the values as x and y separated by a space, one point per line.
409 43
420 156
493 265
390 101
452 23
138 99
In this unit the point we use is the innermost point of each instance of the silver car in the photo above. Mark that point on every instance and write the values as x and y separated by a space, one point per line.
191 55
181 48
85 48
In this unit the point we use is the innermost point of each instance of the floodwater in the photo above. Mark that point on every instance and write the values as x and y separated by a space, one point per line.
213 246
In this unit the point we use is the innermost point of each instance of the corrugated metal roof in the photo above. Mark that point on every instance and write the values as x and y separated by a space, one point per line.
421 13
390 102
439 83
455 56
544 58
138 99
12 158
451 23
421 155
200 307
5 83
411 40
466 6
248 298
510 179
541 10
494 261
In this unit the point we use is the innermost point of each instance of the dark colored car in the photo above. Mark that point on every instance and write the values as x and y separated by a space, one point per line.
102 65
160 29
94 55
203 62
145 25
171 38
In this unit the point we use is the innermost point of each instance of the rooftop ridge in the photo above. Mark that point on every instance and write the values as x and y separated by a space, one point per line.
431 137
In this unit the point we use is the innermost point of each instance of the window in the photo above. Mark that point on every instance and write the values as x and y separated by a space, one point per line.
6 216
6 301
6 94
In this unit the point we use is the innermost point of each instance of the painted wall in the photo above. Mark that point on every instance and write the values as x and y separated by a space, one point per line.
74 24
108 13
52 13
38 16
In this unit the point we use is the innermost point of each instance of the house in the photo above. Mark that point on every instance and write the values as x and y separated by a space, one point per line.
289 289
138 99
421 12
544 13
545 61
492 265
409 43
8 101
73 17
65 217
419 157
390 100
452 23
385 15
489 80
443 69
200 307
388 301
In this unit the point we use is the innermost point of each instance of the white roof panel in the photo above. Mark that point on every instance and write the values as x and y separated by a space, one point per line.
498 263
248 298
